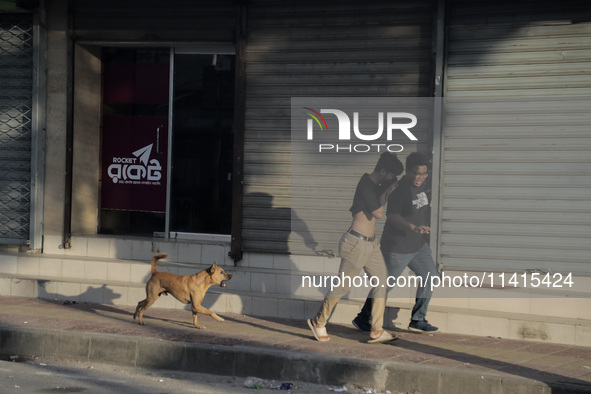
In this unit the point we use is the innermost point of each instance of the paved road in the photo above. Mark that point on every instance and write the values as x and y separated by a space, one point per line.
79 377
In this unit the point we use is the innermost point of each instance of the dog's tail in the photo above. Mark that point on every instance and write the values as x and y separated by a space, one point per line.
155 260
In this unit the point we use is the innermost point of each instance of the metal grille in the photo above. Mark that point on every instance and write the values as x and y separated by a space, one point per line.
16 88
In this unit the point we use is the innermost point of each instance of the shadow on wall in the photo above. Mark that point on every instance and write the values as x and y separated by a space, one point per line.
267 228
100 294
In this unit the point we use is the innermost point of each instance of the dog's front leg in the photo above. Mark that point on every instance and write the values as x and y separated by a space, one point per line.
213 314
198 308
205 311
195 305
196 323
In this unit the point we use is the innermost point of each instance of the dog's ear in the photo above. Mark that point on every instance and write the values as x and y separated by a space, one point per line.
212 268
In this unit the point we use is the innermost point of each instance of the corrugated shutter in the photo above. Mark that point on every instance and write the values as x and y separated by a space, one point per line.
516 173
320 49
16 108
154 21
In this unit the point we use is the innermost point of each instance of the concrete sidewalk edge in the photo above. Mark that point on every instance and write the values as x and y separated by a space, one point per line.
244 361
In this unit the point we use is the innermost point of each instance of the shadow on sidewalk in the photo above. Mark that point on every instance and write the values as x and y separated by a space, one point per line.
483 363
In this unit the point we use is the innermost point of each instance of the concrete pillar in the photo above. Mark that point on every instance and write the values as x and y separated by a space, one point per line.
87 121
56 119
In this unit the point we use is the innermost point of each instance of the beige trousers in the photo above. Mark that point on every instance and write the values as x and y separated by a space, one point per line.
356 255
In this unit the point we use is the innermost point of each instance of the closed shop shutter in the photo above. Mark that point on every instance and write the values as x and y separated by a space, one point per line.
516 173
16 108
154 21
320 49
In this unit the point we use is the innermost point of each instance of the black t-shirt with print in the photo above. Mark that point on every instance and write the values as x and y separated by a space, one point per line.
411 203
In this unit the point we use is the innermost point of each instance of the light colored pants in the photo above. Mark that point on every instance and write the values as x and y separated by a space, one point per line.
357 254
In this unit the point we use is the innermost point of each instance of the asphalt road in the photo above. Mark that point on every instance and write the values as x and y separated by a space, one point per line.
78 377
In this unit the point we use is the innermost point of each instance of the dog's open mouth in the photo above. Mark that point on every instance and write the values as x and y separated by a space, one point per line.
223 284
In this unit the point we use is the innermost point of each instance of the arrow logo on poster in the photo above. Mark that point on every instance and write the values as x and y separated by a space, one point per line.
124 170
144 154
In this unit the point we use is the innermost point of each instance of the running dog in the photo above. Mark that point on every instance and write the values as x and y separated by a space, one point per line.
188 289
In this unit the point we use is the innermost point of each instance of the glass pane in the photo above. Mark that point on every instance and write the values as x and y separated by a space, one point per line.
202 148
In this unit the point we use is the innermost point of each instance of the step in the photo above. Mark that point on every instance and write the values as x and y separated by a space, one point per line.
266 277
271 286
509 325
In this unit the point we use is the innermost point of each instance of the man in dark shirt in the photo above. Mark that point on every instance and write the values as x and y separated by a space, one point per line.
403 243
359 248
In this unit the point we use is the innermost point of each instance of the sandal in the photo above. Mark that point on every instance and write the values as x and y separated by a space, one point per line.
318 332
384 337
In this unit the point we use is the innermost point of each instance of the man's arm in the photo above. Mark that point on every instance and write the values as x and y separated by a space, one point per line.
378 213
404 224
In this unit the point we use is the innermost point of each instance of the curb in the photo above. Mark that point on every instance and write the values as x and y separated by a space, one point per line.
247 361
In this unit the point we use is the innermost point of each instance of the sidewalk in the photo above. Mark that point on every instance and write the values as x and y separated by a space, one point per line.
285 350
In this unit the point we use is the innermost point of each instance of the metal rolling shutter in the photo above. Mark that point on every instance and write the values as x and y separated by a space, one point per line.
516 171
16 119
320 49
154 21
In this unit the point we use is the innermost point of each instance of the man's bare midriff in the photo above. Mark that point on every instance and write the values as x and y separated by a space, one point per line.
363 225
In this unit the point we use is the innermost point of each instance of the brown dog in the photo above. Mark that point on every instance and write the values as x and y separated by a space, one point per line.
188 289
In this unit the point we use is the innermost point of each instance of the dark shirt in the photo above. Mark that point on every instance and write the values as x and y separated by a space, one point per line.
367 198
411 203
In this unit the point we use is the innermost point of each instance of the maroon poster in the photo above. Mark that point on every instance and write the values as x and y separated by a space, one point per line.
134 163
135 129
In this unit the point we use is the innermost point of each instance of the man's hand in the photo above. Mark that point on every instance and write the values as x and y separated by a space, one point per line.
422 229
390 189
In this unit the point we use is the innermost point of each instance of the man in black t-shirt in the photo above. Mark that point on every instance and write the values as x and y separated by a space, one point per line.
360 250
403 242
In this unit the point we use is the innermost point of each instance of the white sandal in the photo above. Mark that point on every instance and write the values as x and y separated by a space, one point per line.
384 337
318 332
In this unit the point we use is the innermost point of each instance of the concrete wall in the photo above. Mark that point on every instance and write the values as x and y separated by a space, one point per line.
87 121
57 114
86 129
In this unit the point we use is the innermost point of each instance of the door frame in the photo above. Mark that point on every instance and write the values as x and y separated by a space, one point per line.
207 49
237 49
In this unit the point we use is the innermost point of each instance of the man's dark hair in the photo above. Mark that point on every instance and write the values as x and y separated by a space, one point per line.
389 162
416 159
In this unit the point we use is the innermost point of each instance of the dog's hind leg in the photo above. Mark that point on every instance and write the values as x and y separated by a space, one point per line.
142 306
